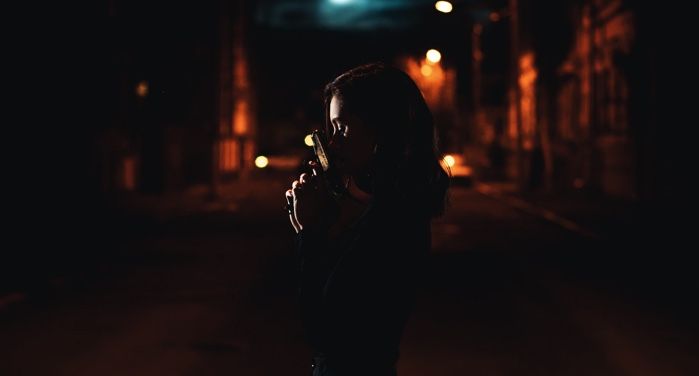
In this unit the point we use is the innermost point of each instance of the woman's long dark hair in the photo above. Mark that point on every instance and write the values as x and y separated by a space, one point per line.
407 164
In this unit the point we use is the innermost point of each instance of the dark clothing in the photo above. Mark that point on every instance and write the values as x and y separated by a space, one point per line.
357 291
321 366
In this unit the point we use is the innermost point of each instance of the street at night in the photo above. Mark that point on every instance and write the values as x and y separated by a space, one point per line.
310 188
207 288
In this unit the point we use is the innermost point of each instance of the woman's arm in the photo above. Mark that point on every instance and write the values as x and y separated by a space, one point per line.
313 265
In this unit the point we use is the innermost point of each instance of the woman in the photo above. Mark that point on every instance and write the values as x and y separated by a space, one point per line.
361 250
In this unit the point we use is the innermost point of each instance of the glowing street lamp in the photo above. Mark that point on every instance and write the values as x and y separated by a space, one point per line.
142 89
308 140
434 56
444 6
449 160
261 161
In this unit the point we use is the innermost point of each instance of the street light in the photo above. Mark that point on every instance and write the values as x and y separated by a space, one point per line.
261 161
443 6
308 140
433 56
449 160
142 89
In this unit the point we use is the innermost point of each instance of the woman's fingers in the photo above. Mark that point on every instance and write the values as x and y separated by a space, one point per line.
315 171
314 167
289 195
308 181
296 188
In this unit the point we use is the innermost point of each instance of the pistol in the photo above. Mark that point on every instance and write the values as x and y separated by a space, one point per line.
327 173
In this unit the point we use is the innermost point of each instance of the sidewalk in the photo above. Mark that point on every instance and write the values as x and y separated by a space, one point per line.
643 253
587 215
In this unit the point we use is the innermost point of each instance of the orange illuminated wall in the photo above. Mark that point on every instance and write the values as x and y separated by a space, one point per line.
241 118
527 103
229 154
437 83
129 173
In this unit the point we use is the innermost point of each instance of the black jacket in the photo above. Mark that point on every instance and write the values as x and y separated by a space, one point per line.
357 291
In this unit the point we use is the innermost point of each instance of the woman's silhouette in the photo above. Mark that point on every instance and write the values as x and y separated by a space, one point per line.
361 252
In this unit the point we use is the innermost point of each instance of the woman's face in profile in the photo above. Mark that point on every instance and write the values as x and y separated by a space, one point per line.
352 142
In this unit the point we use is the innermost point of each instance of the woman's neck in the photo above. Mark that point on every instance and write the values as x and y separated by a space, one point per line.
352 205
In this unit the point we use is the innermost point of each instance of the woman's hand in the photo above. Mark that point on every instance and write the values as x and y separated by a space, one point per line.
312 203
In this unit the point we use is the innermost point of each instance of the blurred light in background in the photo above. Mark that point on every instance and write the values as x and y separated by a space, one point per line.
284 162
142 89
460 172
346 15
494 16
229 152
433 56
528 100
308 140
261 161
426 70
241 117
340 2
129 173
443 6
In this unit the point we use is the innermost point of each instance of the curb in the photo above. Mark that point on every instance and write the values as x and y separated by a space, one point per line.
537 211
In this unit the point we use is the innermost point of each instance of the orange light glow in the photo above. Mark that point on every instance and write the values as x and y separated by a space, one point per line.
230 150
249 151
527 103
461 171
437 83
129 173
494 16
142 89
449 160
241 117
